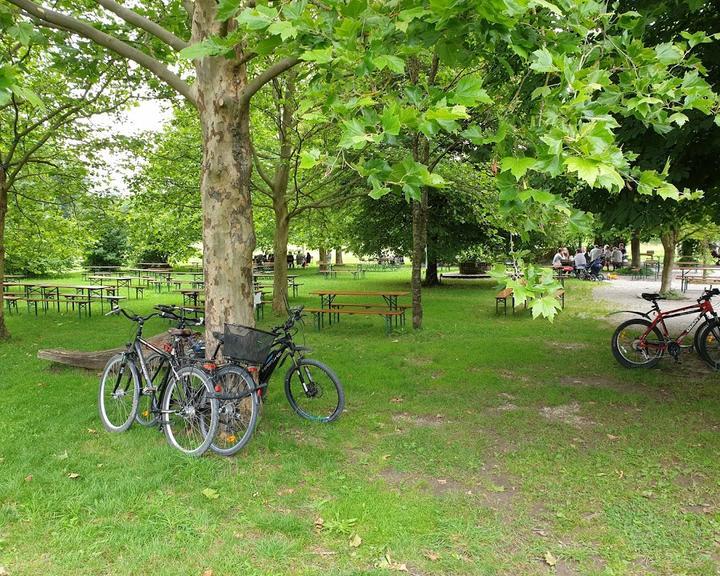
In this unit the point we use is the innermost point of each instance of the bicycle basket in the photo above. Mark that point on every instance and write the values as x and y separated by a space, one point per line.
246 344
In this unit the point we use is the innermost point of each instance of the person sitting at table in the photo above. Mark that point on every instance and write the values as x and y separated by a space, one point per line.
557 259
595 253
580 260
617 258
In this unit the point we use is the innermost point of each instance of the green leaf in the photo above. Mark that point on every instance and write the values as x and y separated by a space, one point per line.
548 5
28 95
283 28
257 18
542 61
379 192
667 190
547 307
679 118
226 9
390 121
319 55
609 178
469 92
717 120
542 196
446 113
540 92
22 32
668 53
393 63
354 135
586 169
517 166
208 47
474 134
309 158
211 494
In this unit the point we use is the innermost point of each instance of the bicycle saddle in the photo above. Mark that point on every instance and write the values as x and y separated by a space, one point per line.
184 332
651 296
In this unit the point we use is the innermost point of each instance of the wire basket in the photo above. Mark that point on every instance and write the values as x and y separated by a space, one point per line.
246 344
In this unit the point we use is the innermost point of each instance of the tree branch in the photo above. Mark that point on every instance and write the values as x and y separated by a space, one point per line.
261 79
111 43
144 23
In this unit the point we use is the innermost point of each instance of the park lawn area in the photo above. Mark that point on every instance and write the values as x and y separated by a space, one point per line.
481 445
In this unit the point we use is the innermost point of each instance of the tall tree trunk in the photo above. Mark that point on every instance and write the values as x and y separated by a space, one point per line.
4 334
338 256
669 240
323 257
280 277
431 272
419 220
228 231
635 249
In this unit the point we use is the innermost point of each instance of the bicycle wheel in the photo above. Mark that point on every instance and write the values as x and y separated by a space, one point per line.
314 391
707 340
158 367
118 394
632 350
237 417
189 411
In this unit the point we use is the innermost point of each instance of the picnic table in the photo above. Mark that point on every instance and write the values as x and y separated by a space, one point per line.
333 309
45 294
690 274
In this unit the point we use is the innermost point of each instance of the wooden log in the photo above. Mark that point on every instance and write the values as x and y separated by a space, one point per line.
92 360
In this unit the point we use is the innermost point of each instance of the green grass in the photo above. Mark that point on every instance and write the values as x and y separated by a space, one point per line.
475 446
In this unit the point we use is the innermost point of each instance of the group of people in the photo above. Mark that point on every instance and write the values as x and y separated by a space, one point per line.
299 258
593 257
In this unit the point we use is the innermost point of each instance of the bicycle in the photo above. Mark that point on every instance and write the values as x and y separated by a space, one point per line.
312 389
188 407
641 342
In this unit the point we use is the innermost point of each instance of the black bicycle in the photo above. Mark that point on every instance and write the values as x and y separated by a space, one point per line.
312 388
188 409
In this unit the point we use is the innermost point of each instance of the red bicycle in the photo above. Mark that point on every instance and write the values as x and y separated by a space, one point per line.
641 342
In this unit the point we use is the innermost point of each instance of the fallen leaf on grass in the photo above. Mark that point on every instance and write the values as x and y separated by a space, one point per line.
386 456
211 494
397 400
355 541
388 563
208 572
92 431
441 481
613 437
319 523
62 456
73 475
430 555
3 571
28 478
285 491
539 532
550 560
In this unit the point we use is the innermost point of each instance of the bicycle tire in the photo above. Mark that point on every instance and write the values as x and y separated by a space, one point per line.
158 367
237 418
622 352
707 342
117 403
298 397
188 399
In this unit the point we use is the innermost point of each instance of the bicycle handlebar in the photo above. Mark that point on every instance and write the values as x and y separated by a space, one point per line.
134 318
168 311
709 293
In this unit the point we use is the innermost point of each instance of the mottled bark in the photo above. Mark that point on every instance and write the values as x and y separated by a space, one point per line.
4 334
419 219
669 240
228 231
635 249
323 257
338 256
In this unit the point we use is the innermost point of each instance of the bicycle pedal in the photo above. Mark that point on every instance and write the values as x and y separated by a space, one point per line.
149 390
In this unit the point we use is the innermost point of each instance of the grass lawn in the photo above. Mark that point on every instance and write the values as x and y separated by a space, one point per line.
480 445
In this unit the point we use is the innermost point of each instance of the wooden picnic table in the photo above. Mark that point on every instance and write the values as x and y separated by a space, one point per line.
331 307
686 274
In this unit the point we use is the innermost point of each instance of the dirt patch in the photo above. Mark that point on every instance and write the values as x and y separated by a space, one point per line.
506 396
507 407
428 420
418 360
599 381
567 414
566 345
510 375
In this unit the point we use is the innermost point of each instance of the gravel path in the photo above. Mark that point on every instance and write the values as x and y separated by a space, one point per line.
624 294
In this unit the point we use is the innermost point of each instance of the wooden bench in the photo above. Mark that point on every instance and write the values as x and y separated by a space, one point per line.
11 301
503 296
336 310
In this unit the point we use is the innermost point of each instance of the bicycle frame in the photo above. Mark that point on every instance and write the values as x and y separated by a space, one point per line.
705 311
